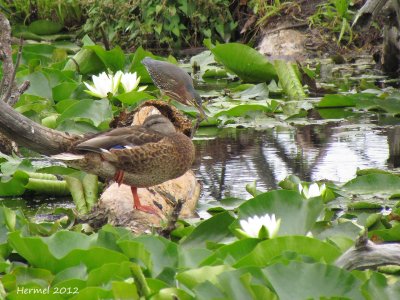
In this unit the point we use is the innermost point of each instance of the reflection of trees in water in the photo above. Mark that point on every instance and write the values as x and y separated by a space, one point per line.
247 149
393 136
237 157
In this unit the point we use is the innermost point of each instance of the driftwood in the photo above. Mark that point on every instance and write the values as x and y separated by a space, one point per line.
368 255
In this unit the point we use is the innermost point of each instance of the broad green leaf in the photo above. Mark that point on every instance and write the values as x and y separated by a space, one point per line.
214 229
96 111
388 235
133 97
62 250
13 187
374 183
234 251
105 274
378 287
40 85
64 90
85 62
124 290
25 276
138 67
157 253
336 101
191 278
244 61
297 214
265 252
258 91
193 257
243 109
113 59
74 272
312 281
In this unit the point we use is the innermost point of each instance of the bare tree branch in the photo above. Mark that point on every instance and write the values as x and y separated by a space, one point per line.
11 87
6 56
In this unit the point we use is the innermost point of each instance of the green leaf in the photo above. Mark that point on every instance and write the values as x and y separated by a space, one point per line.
234 251
289 80
312 281
266 251
124 290
374 183
194 277
336 101
138 67
133 97
377 287
85 61
96 111
64 90
113 59
243 109
214 229
63 250
244 61
297 214
105 274
158 253
39 86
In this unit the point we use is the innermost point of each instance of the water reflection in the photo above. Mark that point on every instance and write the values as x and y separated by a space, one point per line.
331 151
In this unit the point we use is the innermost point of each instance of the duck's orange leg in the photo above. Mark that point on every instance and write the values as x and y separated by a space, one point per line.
137 205
118 177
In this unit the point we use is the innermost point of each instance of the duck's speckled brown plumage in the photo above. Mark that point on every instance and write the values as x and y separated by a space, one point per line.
154 153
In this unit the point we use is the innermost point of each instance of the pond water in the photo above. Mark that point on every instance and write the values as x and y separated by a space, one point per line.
228 159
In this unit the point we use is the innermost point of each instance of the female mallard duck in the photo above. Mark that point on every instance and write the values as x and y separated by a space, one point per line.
139 156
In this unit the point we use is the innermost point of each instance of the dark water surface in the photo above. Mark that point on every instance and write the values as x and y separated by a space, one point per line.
332 151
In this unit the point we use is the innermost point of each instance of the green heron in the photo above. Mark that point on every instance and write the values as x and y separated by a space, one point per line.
174 82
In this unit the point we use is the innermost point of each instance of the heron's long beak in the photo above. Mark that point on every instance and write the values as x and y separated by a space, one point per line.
198 103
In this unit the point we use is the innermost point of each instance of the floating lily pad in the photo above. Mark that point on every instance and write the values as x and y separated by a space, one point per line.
244 61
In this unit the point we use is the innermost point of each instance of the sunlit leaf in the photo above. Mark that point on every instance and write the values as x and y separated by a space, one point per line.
244 61
266 251
312 281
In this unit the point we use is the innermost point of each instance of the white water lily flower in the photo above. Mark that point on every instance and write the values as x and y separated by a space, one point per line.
314 190
130 81
103 84
253 225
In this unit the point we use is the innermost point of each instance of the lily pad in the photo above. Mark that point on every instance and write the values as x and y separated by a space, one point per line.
312 281
244 61
297 214
374 183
